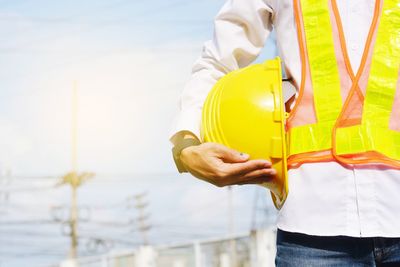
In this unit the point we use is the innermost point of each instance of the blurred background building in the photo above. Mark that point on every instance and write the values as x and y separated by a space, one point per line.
88 92
254 250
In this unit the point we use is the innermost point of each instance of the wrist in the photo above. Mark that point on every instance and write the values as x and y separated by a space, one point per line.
179 136
185 153
181 146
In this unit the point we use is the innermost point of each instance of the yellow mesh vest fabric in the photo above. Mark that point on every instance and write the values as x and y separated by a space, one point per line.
325 80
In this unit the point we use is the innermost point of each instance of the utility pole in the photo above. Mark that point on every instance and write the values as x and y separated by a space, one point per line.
143 225
74 179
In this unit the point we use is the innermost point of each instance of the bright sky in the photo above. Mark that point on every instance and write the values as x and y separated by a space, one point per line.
130 60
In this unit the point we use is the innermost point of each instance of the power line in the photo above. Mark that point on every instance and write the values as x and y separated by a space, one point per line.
25 222
103 177
99 20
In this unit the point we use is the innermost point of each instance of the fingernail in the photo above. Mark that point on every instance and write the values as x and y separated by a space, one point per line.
243 155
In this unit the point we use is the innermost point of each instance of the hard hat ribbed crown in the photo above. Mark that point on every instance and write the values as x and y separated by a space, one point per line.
245 111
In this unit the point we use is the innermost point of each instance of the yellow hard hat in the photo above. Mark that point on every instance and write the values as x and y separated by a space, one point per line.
245 111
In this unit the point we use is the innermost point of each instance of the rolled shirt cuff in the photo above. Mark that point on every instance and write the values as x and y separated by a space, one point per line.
186 121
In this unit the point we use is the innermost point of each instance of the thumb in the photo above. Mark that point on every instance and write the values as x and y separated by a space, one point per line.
232 156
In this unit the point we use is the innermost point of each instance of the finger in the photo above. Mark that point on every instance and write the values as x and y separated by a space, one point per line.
264 175
239 169
258 173
259 180
229 155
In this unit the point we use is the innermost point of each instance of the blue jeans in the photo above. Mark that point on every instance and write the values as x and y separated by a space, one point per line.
300 250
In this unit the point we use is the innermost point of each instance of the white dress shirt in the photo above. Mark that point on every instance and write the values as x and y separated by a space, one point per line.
324 198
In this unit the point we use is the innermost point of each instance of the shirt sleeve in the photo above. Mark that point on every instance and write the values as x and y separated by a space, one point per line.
241 29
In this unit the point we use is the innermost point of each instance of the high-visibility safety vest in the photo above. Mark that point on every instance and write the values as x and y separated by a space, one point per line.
343 115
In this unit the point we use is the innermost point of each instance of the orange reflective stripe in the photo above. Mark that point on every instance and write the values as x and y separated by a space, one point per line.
344 47
299 24
295 161
342 39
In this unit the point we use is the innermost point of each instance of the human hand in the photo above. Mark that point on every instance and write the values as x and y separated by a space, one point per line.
222 166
